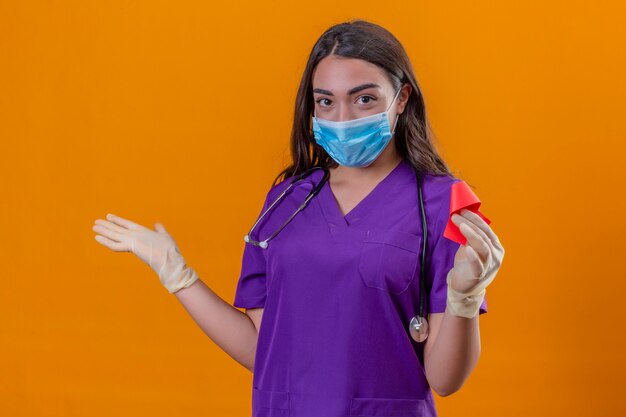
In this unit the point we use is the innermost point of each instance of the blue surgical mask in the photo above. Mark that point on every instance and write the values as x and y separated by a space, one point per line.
356 142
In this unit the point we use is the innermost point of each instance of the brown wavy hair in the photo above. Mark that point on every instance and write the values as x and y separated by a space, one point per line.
361 39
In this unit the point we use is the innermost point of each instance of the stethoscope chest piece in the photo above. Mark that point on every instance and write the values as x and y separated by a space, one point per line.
418 328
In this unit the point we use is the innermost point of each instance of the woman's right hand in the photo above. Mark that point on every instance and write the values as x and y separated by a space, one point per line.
157 249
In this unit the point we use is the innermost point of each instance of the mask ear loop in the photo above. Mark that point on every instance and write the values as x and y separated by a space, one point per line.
395 124
397 115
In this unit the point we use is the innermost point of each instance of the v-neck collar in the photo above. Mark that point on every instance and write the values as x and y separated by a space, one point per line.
331 208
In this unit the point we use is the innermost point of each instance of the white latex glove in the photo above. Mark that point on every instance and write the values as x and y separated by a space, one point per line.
157 249
475 265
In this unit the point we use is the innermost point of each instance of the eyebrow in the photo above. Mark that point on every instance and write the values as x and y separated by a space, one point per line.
351 91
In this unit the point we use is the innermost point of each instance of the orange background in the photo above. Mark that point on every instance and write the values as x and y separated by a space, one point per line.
180 112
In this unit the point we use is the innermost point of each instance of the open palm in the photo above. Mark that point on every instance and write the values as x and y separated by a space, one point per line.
157 248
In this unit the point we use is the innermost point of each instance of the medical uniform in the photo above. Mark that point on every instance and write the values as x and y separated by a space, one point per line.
338 294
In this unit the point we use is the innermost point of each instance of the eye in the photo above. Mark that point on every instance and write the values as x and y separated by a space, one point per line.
367 98
318 101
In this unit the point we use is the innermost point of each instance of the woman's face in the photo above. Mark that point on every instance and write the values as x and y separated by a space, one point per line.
350 88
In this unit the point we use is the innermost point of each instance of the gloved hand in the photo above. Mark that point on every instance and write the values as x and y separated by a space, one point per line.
475 265
157 249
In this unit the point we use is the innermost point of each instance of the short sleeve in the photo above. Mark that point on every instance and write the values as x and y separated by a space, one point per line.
442 261
251 290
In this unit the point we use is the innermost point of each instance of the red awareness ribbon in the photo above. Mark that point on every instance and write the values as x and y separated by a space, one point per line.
461 197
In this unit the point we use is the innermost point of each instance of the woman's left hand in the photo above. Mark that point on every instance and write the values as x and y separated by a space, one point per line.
477 262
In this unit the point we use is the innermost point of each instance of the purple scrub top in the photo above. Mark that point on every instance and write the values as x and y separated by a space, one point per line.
338 294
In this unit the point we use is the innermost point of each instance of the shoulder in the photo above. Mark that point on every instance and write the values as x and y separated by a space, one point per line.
437 191
439 184
438 188
275 190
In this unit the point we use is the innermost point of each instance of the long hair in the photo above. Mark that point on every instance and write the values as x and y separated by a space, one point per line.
368 41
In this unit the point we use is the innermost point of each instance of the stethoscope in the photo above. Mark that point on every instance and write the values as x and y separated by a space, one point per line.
418 327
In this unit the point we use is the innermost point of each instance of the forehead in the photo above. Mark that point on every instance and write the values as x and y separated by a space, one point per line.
341 74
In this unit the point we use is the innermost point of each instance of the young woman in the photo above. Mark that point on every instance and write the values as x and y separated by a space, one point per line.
336 281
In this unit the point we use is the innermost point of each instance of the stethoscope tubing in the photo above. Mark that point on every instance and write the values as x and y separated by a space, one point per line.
418 327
